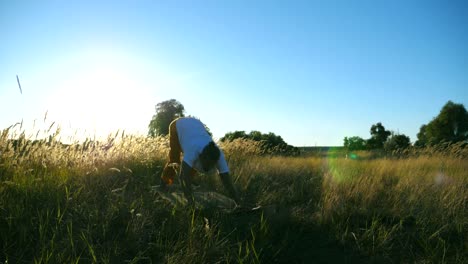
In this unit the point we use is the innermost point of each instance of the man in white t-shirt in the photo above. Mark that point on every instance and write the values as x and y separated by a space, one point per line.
189 136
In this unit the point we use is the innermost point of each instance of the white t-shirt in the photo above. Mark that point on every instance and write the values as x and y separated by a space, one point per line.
193 138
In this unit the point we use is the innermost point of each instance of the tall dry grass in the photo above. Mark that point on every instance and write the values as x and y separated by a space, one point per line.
91 202
397 208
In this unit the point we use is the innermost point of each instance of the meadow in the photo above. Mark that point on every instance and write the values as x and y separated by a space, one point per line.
92 202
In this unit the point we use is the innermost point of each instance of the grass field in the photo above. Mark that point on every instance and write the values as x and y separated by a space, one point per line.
92 203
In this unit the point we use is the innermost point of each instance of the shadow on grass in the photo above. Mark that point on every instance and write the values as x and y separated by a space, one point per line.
280 237
282 230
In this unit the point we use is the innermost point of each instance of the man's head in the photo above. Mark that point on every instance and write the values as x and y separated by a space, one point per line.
209 156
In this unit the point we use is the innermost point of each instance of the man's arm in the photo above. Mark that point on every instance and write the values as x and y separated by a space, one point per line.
169 173
186 181
227 182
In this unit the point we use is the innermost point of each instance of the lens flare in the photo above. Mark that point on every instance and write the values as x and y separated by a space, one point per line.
336 161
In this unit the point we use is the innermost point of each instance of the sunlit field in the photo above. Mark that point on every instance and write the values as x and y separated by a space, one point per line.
92 202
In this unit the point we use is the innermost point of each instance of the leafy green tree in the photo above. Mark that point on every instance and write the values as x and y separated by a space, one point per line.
166 112
422 138
399 141
256 135
354 143
230 136
451 125
273 140
378 136
271 143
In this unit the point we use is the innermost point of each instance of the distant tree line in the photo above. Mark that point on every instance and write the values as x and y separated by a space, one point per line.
451 125
380 139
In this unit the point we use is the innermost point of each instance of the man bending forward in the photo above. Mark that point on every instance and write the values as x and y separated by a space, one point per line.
189 136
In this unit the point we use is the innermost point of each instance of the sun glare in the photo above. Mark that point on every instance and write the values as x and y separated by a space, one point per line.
103 96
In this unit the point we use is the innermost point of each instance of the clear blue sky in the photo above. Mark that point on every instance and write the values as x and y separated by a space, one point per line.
310 71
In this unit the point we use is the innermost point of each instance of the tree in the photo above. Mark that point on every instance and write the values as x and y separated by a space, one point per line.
451 125
166 112
422 138
378 136
271 143
399 141
354 143
256 135
230 136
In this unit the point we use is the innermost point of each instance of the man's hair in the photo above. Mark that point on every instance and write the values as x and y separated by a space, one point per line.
211 151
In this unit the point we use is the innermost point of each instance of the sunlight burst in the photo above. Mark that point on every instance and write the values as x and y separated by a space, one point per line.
101 98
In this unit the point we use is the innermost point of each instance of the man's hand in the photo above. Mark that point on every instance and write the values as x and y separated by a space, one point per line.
187 182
